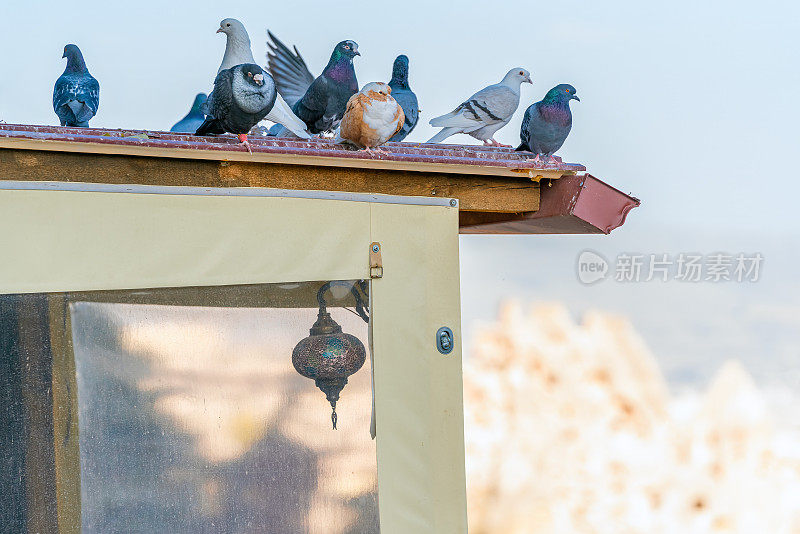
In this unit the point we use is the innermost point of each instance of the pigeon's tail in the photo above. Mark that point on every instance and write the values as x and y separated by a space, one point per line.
205 107
283 114
521 148
278 130
443 134
210 126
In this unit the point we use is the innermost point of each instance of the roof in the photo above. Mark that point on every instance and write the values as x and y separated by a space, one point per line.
462 159
498 188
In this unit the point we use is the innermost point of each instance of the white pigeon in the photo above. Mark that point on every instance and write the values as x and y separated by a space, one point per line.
237 52
485 112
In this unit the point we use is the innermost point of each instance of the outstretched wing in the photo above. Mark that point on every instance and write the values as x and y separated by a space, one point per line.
288 69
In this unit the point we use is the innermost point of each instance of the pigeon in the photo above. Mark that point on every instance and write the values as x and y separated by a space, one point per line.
546 124
485 112
192 121
320 102
238 52
243 96
372 117
404 96
76 95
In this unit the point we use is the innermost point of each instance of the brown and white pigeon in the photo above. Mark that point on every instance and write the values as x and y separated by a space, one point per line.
371 118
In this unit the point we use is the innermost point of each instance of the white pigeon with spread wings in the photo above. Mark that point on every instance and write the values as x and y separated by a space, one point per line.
485 112
238 52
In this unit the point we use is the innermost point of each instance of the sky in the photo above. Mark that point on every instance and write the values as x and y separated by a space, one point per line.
691 107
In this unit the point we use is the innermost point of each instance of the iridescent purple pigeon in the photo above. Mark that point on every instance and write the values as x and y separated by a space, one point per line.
319 102
546 124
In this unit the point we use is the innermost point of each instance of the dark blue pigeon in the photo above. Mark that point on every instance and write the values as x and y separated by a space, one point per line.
192 121
546 124
402 92
320 102
76 95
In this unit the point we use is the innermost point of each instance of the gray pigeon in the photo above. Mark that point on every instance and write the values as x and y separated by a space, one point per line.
320 102
76 95
192 121
243 96
485 112
402 92
238 52
546 124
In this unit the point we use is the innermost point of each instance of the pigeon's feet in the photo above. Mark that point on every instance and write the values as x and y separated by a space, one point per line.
243 140
537 159
375 151
494 142
552 160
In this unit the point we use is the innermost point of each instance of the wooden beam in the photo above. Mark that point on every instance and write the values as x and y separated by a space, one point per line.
300 295
318 153
36 360
13 434
65 417
475 192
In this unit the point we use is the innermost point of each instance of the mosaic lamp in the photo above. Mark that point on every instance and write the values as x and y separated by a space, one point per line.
328 355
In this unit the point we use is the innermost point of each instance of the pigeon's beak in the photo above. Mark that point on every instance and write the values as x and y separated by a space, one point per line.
219 30
575 97
259 79
528 80
356 52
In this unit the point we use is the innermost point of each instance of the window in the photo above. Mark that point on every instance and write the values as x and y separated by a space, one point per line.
192 417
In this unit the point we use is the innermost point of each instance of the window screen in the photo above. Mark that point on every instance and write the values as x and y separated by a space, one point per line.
193 418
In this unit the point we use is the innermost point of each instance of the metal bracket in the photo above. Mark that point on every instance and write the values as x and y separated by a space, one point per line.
375 261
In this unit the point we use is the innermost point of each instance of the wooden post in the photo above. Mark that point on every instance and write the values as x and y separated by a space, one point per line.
39 460
36 363
13 504
65 417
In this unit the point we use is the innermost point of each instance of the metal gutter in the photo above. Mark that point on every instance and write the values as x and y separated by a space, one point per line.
572 205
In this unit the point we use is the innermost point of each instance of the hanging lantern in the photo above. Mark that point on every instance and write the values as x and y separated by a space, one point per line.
328 355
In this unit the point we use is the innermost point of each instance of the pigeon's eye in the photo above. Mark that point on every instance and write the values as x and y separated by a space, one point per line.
228 25
521 73
347 47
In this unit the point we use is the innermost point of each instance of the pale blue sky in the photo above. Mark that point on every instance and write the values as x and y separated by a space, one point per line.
693 108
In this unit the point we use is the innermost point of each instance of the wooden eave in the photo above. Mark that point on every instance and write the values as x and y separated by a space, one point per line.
499 190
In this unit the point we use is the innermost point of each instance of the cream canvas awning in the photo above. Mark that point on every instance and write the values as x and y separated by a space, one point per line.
61 237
